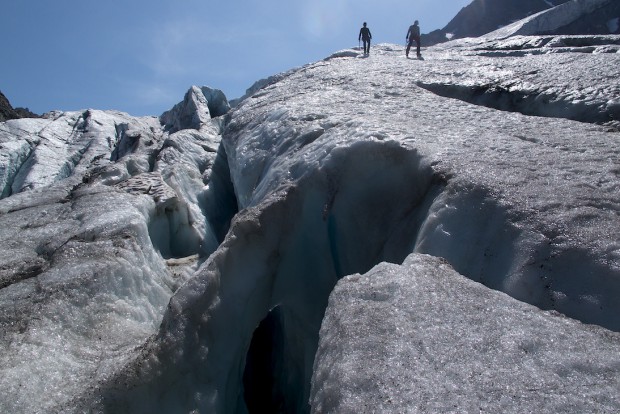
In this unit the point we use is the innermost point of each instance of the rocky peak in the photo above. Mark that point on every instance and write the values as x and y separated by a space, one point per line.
8 112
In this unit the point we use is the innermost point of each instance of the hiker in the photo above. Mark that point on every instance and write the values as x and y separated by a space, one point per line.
413 34
365 36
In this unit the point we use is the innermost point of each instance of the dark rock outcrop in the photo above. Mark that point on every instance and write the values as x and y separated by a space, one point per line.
8 112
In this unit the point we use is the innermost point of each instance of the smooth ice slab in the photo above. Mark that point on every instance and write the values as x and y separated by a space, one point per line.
422 338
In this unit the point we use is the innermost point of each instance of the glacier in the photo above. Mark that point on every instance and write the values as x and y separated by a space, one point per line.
355 235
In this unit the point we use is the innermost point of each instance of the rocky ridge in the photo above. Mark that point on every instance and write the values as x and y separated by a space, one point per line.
484 16
8 112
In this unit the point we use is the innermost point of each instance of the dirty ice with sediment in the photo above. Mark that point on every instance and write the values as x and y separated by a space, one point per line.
373 234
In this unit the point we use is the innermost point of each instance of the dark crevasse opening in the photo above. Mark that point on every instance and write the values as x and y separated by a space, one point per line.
173 229
543 104
264 377
218 202
366 206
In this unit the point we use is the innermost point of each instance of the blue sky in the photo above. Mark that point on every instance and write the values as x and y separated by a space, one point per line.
141 56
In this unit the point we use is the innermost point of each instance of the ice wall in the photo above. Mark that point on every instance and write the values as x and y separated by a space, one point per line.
103 217
286 253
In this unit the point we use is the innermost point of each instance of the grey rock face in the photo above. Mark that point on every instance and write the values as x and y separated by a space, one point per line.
6 110
603 20
533 17
481 17
484 16
560 18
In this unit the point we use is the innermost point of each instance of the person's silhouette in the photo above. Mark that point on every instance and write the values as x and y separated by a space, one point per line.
365 36
413 34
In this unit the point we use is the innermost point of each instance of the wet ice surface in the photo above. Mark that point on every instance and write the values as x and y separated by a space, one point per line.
84 289
438 342
335 167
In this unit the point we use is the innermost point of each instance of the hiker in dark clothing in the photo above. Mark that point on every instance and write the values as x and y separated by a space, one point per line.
365 36
413 34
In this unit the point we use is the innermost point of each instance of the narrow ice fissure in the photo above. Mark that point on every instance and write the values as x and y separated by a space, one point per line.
67 169
18 161
219 202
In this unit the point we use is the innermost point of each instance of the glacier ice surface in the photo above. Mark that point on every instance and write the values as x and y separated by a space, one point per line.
366 167
151 264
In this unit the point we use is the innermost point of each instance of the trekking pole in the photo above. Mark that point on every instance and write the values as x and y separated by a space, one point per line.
359 45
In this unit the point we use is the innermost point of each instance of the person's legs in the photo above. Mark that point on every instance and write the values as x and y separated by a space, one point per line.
418 44
409 47
366 46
